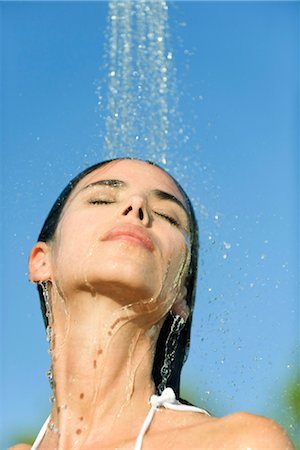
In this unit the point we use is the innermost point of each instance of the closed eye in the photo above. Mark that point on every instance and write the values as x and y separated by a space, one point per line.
169 219
100 202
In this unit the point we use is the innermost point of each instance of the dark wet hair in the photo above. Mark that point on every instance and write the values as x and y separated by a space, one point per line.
47 234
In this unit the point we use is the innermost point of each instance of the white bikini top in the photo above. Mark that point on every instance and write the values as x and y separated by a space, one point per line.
167 399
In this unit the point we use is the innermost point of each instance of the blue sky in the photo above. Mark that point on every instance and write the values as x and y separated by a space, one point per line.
238 72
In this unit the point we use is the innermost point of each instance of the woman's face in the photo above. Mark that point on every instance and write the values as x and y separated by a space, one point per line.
124 233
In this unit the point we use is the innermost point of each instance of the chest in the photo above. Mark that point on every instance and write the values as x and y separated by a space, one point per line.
175 431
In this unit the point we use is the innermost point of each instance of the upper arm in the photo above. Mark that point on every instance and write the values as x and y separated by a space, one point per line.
259 433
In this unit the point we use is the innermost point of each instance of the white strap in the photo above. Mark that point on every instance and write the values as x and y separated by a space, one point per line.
168 400
40 436
145 426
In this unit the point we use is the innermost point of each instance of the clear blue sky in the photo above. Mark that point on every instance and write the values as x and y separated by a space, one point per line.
238 72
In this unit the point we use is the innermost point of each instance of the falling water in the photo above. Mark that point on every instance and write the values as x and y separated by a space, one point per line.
170 350
141 112
49 332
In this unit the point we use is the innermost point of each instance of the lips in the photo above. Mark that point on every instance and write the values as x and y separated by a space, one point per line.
133 233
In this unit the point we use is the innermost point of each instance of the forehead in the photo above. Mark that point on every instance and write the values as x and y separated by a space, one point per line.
135 173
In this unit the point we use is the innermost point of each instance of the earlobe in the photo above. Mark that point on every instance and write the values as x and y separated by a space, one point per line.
180 306
39 263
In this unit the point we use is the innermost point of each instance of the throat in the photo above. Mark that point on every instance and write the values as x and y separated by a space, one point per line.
102 374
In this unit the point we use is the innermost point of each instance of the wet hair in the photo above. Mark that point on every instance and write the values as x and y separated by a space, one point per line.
48 232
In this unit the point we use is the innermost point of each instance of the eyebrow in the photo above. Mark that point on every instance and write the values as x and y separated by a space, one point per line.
162 195
111 183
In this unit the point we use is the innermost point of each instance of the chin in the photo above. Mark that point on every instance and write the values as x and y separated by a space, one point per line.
124 280
123 293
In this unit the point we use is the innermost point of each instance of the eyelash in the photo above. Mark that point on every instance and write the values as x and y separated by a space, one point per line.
100 202
171 220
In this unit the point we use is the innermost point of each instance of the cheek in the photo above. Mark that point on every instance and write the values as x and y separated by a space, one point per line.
177 257
74 240
79 230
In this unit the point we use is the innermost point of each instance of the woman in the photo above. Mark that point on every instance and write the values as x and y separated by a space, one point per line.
116 267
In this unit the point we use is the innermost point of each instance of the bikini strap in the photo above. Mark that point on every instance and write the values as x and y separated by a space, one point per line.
167 399
40 436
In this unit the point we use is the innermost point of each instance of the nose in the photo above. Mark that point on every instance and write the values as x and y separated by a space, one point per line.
136 208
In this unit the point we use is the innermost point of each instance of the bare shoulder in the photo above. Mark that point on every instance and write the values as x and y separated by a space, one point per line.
238 431
243 431
20 447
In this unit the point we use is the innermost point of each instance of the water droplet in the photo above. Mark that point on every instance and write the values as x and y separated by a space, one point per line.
49 375
163 159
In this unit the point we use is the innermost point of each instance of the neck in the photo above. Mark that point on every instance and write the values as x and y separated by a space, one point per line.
102 356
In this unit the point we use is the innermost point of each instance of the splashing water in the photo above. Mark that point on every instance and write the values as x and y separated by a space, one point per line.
170 349
141 101
50 339
49 329
138 96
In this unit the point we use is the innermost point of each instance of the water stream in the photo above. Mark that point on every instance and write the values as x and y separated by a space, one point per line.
141 107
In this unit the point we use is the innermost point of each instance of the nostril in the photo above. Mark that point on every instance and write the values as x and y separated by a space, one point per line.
141 214
127 210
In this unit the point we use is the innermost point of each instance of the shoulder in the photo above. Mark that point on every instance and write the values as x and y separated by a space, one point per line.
239 431
20 447
244 430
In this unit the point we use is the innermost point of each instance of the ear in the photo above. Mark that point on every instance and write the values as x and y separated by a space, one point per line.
39 263
180 306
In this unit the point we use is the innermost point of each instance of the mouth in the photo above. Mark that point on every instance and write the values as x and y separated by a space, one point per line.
132 233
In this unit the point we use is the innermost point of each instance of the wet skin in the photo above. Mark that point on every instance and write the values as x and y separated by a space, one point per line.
127 197
116 267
